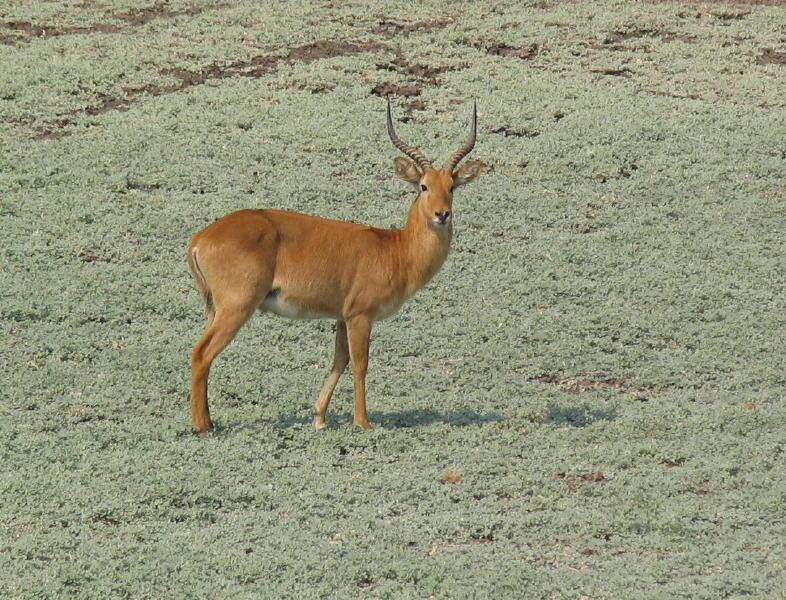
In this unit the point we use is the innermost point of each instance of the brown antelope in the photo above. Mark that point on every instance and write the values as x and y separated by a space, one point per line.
304 267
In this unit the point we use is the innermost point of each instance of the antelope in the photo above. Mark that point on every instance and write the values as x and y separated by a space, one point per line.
305 267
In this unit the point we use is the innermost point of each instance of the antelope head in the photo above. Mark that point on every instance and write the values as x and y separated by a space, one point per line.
435 186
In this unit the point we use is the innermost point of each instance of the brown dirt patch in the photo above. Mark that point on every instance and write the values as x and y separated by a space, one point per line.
54 130
581 384
572 481
506 50
416 105
106 103
675 95
721 15
623 172
624 72
89 256
499 49
387 88
25 31
614 39
770 56
329 49
671 36
255 67
419 76
450 476
486 538
390 28
142 16
702 4
729 2
420 71
510 132
259 65
104 519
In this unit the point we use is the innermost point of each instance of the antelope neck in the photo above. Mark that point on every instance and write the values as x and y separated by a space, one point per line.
424 248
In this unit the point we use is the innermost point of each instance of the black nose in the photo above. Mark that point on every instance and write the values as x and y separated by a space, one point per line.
442 215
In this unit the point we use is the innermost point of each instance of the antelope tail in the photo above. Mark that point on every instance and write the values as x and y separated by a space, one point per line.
199 279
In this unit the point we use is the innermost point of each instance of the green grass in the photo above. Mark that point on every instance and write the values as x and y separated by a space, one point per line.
629 231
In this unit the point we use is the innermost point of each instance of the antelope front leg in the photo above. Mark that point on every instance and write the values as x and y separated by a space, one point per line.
359 332
340 361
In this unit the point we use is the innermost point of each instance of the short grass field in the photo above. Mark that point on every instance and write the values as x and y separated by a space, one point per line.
586 403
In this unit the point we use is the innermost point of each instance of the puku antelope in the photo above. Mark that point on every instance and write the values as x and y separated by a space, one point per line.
305 267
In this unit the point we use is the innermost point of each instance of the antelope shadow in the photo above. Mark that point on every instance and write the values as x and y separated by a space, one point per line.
578 416
403 419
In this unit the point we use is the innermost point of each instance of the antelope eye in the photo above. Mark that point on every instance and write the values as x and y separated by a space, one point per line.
423 188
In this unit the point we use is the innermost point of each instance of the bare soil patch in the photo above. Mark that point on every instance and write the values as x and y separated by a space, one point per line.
732 3
729 2
420 71
572 481
330 49
510 132
624 72
257 66
770 56
390 28
54 130
86 255
721 14
502 49
419 76
675 95
25 31
388 88
613 40
670 36
450 476
142 16
581 384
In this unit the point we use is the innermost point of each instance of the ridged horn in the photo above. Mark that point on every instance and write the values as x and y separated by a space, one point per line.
466 148
410 151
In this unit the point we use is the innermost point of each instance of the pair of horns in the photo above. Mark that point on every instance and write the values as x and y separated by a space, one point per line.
420 158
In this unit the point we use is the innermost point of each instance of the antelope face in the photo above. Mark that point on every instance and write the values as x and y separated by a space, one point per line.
436 197
435 187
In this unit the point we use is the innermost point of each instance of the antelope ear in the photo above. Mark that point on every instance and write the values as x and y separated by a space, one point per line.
467 172
407 170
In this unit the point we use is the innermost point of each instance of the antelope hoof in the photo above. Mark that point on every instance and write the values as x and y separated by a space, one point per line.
202 431
319 423
364 424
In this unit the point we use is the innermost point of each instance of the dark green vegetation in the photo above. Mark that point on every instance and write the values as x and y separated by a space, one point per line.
601 361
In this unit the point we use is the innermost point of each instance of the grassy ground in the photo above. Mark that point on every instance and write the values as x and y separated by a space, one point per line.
600 363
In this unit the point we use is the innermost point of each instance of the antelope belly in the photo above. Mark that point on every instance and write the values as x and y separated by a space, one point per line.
387 310
274 303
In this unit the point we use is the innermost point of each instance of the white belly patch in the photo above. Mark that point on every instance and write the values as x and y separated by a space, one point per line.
275 304
387 310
